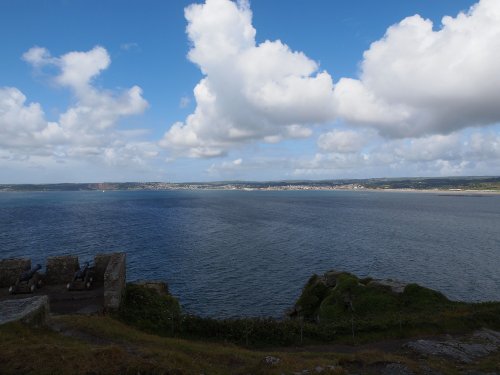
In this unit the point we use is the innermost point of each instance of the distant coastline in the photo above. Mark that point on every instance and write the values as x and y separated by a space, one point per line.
448 185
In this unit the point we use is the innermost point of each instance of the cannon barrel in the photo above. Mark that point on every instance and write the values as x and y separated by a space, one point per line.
80 274
26 276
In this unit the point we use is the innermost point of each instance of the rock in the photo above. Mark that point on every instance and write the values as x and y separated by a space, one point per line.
270 360
459 350
395 286
488 335
396 369
319 369
426 370
330 278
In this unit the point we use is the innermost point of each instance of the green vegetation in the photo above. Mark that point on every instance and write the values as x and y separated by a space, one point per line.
158 313
150 335
335 308
367 310
150 310
103 345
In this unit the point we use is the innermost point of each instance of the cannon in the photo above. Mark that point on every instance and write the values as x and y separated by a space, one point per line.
82 279
28 281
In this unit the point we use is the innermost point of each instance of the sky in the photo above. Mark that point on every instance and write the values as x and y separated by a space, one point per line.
176 91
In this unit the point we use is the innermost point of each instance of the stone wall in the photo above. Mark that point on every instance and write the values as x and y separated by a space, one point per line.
101 262
61 269
115 277
10 269
32 310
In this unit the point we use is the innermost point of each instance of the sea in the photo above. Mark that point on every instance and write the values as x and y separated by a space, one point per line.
249 253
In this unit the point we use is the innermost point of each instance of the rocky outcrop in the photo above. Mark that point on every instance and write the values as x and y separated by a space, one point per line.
464 350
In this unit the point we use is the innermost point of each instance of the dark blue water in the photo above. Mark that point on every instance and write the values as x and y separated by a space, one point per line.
238 253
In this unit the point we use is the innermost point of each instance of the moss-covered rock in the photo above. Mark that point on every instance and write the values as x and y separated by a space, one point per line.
340 296
313 294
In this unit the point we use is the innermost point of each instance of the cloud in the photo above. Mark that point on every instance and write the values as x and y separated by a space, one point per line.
85 129
415 81
250 92
342 141
23 125
419 81
184 102
131 46
466 152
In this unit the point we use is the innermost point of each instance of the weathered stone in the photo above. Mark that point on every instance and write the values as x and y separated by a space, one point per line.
330 278
10 269
32 310
425 369
395 286
396 369
101 262
465 352
61 269
114 281
270 360
488 335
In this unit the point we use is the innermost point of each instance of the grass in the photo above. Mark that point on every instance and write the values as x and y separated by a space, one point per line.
103 345
150 335
352 311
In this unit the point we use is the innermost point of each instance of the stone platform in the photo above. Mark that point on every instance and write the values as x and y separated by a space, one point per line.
105 294
62 301
32 310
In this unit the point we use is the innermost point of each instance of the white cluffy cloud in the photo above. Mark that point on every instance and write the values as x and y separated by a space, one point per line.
416 81
464 152
85 129
250 91
419 81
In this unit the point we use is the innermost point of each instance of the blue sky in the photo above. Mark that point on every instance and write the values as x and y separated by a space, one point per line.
91 90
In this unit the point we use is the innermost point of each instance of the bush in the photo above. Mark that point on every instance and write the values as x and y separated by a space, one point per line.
149 310
310 300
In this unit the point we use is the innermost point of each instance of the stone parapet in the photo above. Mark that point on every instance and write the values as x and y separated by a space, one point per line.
61 269
33 310
115 277
101 262
10 269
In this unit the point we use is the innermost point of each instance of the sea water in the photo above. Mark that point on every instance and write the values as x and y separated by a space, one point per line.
249 253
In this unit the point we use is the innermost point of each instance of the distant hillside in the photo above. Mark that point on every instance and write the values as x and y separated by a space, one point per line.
417 183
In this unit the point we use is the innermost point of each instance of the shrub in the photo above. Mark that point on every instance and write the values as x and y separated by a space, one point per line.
149 310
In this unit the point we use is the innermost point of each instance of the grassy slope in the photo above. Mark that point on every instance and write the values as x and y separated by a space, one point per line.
103 345
129 343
